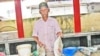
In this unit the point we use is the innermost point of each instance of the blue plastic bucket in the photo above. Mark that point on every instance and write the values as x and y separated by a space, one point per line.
69 51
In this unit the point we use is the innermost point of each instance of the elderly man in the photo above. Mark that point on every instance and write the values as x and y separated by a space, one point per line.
46 30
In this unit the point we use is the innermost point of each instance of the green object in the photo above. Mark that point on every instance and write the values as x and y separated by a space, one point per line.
35 53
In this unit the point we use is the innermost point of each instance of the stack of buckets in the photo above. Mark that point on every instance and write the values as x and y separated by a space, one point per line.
24 50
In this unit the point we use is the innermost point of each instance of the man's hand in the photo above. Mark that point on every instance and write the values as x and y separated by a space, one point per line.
40 44
59 34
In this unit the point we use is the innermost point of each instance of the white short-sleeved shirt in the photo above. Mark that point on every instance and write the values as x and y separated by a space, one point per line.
46 31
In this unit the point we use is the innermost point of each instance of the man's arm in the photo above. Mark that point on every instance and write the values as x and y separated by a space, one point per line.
37 41
58 29
59 34
35 35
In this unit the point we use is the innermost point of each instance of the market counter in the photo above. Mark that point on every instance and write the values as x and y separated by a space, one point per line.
71 39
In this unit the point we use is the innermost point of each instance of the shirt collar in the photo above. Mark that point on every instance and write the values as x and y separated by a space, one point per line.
43 20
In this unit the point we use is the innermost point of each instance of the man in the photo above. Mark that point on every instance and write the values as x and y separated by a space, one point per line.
46 30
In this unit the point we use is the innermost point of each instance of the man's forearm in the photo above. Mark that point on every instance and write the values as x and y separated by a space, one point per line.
36 39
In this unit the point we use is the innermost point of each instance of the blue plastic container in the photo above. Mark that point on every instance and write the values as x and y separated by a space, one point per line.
69 51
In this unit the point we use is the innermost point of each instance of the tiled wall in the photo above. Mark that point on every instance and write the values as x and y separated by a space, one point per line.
89 22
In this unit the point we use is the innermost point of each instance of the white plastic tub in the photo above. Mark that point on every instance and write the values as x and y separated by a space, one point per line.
24 49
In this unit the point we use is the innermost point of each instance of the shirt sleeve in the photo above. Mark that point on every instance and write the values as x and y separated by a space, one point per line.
57 27
35 30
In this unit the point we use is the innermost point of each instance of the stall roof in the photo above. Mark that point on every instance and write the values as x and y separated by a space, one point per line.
5 0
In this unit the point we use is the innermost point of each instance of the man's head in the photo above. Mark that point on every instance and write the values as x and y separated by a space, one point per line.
43 4
43 9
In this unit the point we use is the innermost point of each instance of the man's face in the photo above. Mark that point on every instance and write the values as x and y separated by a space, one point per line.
44 11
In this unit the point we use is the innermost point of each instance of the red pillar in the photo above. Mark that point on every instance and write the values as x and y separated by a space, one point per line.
77 22
19 18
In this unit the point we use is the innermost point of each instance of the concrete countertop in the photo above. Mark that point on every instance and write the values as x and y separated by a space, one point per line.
80 34
64 36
